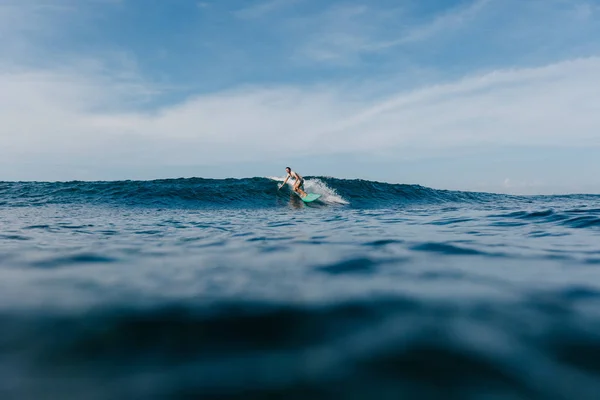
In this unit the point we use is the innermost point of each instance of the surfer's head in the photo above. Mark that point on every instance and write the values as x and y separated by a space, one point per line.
288 169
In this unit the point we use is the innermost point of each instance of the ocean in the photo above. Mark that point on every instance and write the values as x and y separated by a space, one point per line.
231 289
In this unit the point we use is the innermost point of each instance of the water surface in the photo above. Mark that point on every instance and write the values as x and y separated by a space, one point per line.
192 289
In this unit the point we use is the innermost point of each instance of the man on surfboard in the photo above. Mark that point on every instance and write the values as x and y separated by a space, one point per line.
298 185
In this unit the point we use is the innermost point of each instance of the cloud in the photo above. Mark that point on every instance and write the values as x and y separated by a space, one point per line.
338 35
263 8
342 33
20 23
552 105
28 16
586 11
444 22
472 32
50 117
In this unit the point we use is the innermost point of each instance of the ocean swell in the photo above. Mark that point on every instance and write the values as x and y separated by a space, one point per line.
227 193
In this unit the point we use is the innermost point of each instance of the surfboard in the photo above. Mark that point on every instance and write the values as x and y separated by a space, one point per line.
310 197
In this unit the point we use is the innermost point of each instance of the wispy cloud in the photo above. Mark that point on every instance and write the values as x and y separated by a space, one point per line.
440 24
337 35
21 21
482 30
340 34
263 8
585 11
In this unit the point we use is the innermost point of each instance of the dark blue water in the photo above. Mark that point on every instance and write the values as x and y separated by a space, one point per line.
229 289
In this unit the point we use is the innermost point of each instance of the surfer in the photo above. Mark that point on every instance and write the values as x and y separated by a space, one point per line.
298 184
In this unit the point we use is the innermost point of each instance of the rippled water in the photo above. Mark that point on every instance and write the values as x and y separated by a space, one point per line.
444 296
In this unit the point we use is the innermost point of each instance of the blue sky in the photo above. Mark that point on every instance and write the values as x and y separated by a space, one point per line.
497 95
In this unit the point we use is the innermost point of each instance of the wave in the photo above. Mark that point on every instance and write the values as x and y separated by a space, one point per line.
315 185
574 218
232 193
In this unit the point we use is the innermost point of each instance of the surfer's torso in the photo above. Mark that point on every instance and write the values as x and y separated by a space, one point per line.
295 176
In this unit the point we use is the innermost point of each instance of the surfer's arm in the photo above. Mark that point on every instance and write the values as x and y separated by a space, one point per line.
284 182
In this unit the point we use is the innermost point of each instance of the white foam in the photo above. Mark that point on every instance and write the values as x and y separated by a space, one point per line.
328 195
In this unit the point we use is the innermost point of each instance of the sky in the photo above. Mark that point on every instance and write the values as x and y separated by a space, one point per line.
485 95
